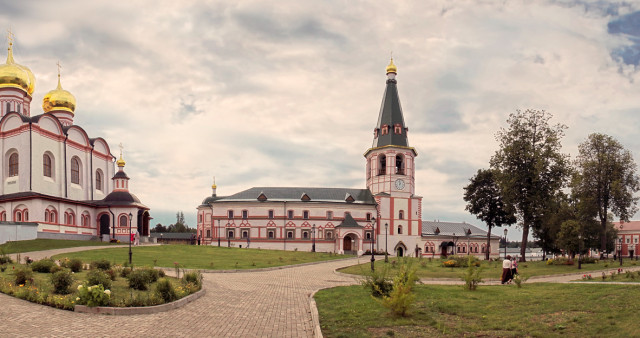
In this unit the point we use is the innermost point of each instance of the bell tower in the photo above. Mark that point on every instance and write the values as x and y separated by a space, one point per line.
391 171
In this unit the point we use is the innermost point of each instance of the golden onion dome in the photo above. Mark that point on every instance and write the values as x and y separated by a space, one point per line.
59 99
120 162
391 68
15 75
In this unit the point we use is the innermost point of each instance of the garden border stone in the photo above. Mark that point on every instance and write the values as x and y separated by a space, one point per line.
256 270
143 310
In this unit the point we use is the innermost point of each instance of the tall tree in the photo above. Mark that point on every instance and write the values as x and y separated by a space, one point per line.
607 180
484 200
530 167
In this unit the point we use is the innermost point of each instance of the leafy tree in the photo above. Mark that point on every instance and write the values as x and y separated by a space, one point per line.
484 200
159 228
568 237
606 181
529 166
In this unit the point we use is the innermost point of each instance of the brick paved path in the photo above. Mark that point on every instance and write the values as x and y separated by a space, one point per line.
246 304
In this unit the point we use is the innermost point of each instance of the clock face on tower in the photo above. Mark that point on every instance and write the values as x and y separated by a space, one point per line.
399 184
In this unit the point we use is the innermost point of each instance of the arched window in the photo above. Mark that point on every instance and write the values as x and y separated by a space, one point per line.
401 214
13 164
200 218
46 215
208 233
75 170
382 168
18 216
71 218
53 217
46 165
25 215
99 179
399 229
123 221
399 165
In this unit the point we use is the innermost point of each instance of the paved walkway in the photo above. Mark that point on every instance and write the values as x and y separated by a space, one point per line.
245 304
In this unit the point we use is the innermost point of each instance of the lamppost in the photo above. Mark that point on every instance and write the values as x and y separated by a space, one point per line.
386 251
468 232
579 251
130 237
313 238
373 231
620 252
218 233
505 242
636 251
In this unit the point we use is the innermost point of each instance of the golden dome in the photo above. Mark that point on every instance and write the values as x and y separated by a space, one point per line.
391 68
120 162
59 99
15 75
214 186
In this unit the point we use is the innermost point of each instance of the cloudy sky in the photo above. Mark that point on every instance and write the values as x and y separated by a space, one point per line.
287 93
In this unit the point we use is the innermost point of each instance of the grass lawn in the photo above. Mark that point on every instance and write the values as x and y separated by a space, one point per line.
539 310
432 268
202 257
44 244
623 276
42 290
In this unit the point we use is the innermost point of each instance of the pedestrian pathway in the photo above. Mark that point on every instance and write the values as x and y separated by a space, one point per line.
271 303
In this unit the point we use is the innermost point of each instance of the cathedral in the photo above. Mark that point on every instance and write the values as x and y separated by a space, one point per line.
386 215
57 181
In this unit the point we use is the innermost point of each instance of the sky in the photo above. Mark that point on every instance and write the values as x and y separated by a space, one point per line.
287 93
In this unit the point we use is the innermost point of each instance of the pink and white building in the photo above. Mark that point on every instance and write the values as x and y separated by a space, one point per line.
386 214
629 232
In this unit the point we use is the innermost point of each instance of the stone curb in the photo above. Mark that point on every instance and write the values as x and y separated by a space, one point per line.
127 311
315 316
261 269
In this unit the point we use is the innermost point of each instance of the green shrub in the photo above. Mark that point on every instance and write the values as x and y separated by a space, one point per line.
125 272
194 277
101 264
99 277
61 281
113 275
378 282
401 298
75 264
161 273
589 260
22 276
94 295
43 265
151 275
138 280
461 261
471 276
4 259
56 268
2 268
165 290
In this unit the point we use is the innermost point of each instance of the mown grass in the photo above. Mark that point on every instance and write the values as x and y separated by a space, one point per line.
621 275
538 310
202 257
121 294
432 268
45 244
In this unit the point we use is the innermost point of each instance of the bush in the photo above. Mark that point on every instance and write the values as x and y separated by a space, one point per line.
94 295
125 272
138 280
4 259
401 297
194 277
22 276
61 281
56 268
461 261
99 277
151 275
43 265
589 260
113 275
471 276
560 261
378 282
75 264
165 290
101 264
161 273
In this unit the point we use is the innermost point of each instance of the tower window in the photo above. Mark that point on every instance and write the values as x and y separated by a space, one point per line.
385 129
13 164
382 169
399 165
368 216
46 165
75 170
399 229
99 180
123 221
270 214
397 128
8 107
305 214
401 214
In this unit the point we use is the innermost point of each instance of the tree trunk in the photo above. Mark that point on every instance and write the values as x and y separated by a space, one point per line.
523 245
603 237
488 250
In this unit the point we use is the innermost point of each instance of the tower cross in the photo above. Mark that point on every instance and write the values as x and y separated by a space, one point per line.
121 148
60 67
10 35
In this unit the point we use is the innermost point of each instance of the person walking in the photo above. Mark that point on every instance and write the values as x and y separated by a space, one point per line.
514 267
137 238
506 270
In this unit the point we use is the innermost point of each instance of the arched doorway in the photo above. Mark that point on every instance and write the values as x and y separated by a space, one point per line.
400 249
104 224
349 244
400 252
143 222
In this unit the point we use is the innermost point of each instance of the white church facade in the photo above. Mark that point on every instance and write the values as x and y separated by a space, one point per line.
386 215
55 177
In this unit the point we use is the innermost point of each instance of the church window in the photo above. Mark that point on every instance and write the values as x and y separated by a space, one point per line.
401 214
8 107
230 234
99 179
397 128
46 215
53 218
329 215
270 214
13 164
305 234
399 229
245 214
399 165
18 109
75 170
290 234
385 129
18 216
382 168
367 235
290 214
46 165
123 221
329 234
230 214
245 234
271 234
25 214
200 218
305 214
208 233
368 216
3 216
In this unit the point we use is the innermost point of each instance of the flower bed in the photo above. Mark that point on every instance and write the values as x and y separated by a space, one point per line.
105 286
